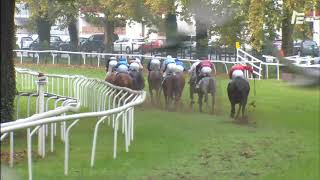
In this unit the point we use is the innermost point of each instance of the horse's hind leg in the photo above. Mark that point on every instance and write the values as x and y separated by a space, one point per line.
232 110
191 96
243 110
206 101
213 102
238 113
200 102
151 94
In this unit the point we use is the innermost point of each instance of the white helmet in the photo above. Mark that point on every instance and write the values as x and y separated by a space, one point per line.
113 58
169 57
134 66
113 63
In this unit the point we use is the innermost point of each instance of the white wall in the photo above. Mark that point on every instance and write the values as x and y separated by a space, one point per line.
316 31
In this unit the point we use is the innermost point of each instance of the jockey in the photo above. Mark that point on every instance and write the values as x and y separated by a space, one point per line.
168 66
204 68
154 64
237 70
111 65
122 65
134 67
192 69
180 65
138 61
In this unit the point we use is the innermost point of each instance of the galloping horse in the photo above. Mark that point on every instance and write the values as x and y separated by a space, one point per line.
172 88
137 80
123 80
207 86
179 82
111 77
154 81
238 91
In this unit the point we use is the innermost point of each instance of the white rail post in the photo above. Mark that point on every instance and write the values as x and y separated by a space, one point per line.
42 80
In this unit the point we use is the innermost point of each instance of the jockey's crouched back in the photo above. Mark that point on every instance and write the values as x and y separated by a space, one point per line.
169 66
154 65
122 66
237 70
180 65
204 68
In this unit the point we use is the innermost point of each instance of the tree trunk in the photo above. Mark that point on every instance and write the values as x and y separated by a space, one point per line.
8 82
43 28
108 34
287 32
73 33
201 39
172 34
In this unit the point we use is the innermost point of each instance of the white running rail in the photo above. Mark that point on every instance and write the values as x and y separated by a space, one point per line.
103 101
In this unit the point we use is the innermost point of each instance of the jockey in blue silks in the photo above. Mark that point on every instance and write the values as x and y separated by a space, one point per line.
169 66
122 65
180 65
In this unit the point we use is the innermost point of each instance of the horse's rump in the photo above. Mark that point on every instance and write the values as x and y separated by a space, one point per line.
123 80
238 90
137 80
154 79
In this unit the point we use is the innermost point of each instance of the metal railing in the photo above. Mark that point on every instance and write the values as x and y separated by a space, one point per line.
102 99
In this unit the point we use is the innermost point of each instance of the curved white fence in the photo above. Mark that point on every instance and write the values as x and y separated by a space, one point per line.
103 101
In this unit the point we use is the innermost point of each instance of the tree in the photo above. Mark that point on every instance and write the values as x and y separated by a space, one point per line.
163 14
43 15
8 82
67 14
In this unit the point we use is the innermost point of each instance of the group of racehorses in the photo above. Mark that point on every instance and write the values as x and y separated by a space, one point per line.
173 83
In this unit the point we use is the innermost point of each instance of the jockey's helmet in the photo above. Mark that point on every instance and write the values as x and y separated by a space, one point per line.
113 58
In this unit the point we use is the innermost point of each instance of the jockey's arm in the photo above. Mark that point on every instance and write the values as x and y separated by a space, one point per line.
249 68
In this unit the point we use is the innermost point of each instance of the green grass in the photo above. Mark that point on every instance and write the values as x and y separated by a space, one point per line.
281 142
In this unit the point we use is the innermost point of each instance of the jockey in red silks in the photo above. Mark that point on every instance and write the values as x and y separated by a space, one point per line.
204 68
237 70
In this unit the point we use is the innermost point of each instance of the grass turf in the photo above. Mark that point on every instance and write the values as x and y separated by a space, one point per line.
282 141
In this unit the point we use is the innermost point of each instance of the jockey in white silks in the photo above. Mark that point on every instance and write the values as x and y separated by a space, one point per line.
111 66
154 64
138 61
134 67
169 66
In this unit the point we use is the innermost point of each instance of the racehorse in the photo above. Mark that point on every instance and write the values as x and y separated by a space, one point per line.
154 81
111 77
172 88
207 86
238 91
179 82
137 80
123 80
